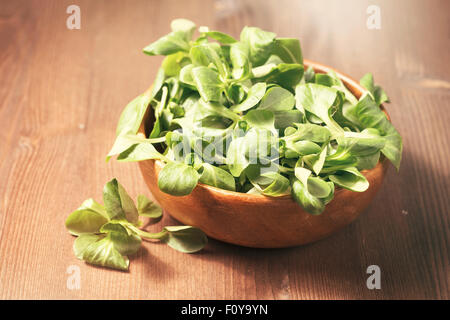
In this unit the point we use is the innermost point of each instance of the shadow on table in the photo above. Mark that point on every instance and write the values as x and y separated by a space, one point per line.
153 267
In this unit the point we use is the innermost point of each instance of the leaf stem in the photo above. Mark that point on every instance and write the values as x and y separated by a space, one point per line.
148 235
157 140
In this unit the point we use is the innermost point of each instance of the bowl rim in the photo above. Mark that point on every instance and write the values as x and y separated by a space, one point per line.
349 83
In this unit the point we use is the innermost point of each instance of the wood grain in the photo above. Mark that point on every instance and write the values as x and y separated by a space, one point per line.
61 92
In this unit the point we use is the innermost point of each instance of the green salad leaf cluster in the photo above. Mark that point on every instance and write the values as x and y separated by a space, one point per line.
107 234
244 115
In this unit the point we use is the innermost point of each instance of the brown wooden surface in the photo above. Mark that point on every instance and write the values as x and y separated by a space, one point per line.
61 92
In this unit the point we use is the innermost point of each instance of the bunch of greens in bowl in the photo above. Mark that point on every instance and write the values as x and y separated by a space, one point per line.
243 115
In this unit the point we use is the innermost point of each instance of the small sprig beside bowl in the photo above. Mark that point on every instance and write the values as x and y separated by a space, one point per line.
107 234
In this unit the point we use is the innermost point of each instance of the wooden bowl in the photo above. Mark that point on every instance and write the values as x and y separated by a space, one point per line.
259 221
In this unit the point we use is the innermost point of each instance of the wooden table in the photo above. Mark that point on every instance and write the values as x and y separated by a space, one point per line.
61 93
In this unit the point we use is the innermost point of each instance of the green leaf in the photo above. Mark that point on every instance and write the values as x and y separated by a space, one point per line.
314 185
215 108
93 205
306 200
288 50
185 26
240 61
340 159
277 99
362 143
186 76
118 203
157 83
330 197
311 132
82 242
367 162
302 173
376 92
139 152
185 239
284 119
127 243
217 177
217 35
206 54
172 64
316 161
102 253
148 208
177 179
254 95
309 75
264 70
131 117
235 93
262 119
304 147
371 116
278 186
285 75
87 219
339 85
169 44
212 126
351 179
236 159
161 105
124 142
208 83
318 187
324 79
318 100
260 44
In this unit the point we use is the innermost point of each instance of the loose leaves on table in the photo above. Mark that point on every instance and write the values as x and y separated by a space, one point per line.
108 235
103 253
87 219
185 239
147 208
118 203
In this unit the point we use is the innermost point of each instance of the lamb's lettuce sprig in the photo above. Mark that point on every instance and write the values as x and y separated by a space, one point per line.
107 234
243 115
